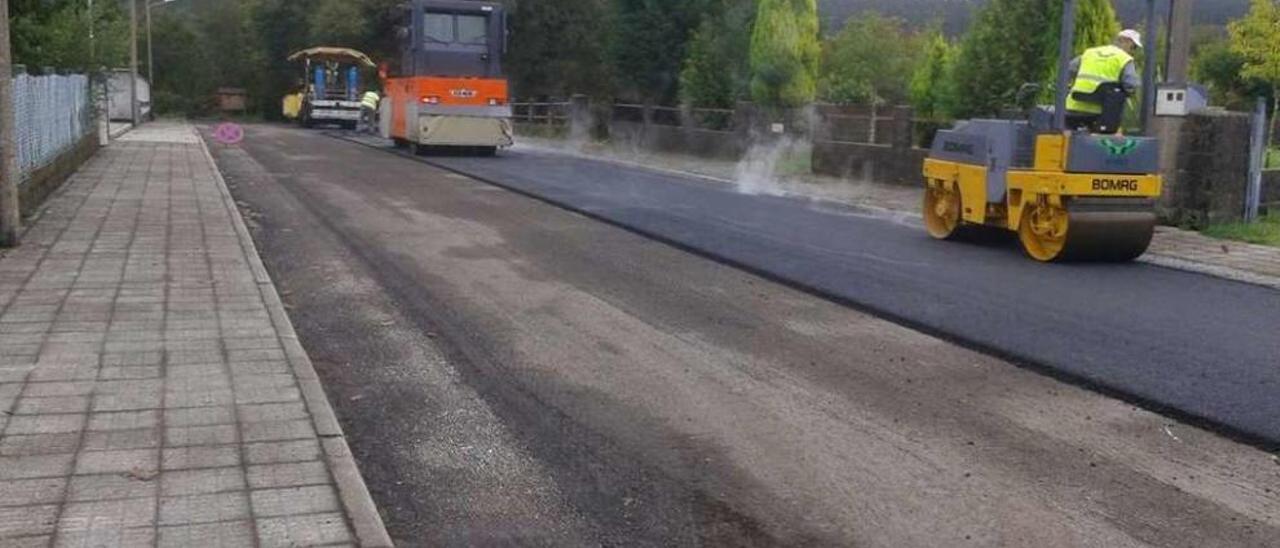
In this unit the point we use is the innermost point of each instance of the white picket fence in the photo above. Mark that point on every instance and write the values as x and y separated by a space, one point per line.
52 114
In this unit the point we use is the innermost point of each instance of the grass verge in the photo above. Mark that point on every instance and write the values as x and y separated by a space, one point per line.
1266 231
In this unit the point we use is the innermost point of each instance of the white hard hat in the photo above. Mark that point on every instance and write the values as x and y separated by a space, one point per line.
1133 36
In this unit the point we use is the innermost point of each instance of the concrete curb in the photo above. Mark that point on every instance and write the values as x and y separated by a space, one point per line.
356 500
1216 271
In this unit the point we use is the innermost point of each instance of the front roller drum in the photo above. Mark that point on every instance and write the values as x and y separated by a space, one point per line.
1088 229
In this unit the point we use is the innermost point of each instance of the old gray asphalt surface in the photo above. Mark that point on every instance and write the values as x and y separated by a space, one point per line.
1187 343
508 372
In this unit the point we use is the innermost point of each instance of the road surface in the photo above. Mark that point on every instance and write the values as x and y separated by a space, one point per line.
508 371
1188 343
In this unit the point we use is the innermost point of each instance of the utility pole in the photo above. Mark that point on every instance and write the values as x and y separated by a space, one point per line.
1179 41
92 47
151 68
10 215
133 63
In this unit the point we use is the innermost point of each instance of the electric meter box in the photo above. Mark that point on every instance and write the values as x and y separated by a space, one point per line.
1180 99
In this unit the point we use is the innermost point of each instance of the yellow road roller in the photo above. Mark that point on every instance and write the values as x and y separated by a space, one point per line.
1069 194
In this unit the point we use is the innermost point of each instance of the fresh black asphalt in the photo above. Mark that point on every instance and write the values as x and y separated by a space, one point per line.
1192 345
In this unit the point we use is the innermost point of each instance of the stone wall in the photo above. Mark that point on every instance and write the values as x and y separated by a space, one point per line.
703 143
842 148
45 180
1271 191
1211 170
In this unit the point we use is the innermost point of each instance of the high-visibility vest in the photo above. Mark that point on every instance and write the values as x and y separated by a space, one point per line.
1098 66
370 100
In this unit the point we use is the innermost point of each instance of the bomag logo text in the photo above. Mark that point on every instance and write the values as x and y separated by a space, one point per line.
962 148
1127 185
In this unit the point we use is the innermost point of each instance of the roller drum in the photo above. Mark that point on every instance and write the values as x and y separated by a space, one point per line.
1108 229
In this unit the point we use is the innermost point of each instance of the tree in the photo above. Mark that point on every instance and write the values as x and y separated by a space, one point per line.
1255 38
785 53
869 62
277 33
339 23
1096 25
716 72
187 75
54 33
559 47
1013 42
1217 66
931 82
649 44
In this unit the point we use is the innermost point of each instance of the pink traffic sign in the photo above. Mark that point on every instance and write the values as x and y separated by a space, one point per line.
228 133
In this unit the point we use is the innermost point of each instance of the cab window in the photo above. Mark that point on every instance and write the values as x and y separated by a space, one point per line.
438 28
473 30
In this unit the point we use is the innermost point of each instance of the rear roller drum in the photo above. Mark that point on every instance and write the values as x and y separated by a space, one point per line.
942 212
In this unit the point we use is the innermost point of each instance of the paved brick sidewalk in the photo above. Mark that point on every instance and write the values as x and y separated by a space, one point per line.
1172 247
152 389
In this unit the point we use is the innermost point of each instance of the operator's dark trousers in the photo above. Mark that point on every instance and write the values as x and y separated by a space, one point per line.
1082 121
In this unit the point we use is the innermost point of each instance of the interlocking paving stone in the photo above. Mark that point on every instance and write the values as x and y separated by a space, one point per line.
124 420
123 461
141 438
36 466
44 424
57 404
39 444
110 487
229 506
208 480
107 537
199 416
288 475
283 451
218 434
181 458
108 514
307 530
230 534
28 492
272 412
20 521
295 500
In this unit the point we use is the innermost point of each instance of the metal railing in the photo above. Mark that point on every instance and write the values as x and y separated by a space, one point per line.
546 113
710 119
52 113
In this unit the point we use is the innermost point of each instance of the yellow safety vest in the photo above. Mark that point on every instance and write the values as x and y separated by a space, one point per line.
370 100
1097 66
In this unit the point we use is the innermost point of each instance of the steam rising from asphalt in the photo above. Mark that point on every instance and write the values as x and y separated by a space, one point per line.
758 172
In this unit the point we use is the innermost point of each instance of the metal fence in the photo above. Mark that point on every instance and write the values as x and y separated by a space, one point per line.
549 113
51 114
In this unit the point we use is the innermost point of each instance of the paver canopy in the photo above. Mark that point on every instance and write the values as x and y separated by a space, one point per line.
330 53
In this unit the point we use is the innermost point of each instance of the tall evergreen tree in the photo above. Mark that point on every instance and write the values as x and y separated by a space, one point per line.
785 53
716 72
558 48
1013 42
649 42
870 62
931 82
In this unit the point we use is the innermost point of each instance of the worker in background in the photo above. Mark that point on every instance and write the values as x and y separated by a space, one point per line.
369 110
1102 67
